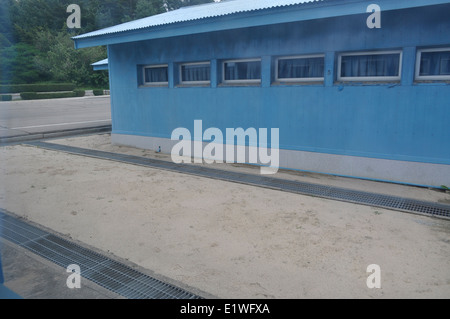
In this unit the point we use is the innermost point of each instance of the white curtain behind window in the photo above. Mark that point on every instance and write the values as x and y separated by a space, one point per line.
298 68
370 65
243 70
435 63
156 75
196 73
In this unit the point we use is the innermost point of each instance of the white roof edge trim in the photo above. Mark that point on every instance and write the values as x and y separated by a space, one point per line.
101 62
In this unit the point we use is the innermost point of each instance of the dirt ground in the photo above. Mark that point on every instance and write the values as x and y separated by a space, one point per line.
226 239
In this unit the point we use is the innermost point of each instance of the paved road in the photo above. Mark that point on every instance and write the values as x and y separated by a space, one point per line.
18 118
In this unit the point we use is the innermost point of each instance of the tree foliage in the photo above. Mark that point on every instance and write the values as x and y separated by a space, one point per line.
36 46
176 4
16 64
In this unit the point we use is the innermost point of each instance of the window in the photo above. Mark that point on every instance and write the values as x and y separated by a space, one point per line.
433 64
156 75
195 73
370 66
300 68
242 71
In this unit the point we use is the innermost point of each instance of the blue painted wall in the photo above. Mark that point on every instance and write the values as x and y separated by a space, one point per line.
403 121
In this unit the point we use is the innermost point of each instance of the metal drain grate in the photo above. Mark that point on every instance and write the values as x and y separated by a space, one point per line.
102 270
329 192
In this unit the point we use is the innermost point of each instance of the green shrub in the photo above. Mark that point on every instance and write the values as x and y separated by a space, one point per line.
98 92
47 87
79 93
7 97
28 95
40 96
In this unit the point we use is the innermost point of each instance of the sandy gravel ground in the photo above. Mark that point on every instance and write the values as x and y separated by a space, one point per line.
230 240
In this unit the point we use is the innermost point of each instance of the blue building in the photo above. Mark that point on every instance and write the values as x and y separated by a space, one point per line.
355 90
100 65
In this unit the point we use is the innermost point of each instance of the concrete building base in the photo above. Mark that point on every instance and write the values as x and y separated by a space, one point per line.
405 172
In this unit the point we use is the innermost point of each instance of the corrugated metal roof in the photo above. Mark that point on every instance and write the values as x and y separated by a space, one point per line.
197 12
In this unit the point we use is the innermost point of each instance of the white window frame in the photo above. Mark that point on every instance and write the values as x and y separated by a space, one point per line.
194 82
249 81
369 78
419 77
320 79
154 67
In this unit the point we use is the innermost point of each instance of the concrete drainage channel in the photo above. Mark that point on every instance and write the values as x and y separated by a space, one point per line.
322 191
95 267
